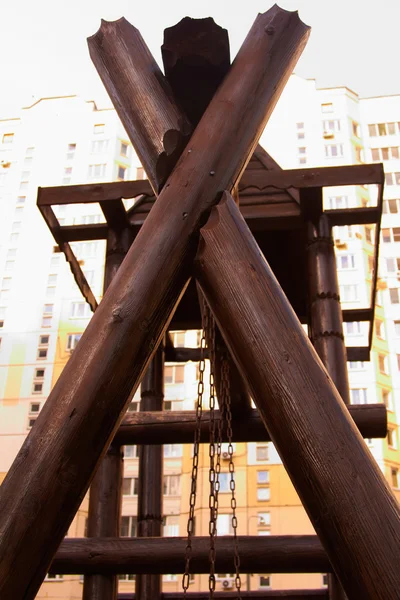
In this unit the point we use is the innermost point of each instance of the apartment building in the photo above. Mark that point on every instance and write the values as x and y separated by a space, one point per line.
42 315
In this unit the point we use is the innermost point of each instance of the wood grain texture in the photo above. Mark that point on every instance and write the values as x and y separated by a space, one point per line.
150 494
267 595
50 475
262 554
342 488
177 427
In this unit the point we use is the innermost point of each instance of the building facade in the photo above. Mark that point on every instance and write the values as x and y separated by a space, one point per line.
62 141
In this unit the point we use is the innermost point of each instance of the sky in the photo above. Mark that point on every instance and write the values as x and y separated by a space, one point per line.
44 50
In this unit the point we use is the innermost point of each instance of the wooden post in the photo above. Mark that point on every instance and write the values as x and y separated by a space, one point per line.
325 316
105 499
150 500
50 475
342 488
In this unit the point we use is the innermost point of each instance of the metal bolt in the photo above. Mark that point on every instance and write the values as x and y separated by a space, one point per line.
270 29
212 173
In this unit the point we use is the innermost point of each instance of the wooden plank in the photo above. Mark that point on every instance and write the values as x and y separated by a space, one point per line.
83 233
362 215
50 475
115 214
341 486
267 595
356 353
92 192
263 554
315 177
177 427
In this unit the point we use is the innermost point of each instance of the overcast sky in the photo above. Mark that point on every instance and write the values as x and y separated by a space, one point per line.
43 45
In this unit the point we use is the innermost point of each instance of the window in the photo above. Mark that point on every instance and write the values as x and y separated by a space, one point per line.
130 486
390 153
263 494
121 173
55 261
85 249
372 130
96 171
99 128
131 452
124 149
357 365
302 150
178 338
338 202
391 438
358 395
52 577
333 150
264 519
264 582
349 293
301 135
383 364
331 125
172 484
37 387
8 138
72 340
380 329
6 283
90 219
392 178
171 526
397 328
224 524
327 107
172 450
300 125
67 175
99 146
262 476
9 265
128 526
345 261
47 315
391 206
52 279
395 478
16 225
324 580
174 374
43 347
356 129
387 399
224 482
359 154
167 405
80 310
394 295
262 453
302 161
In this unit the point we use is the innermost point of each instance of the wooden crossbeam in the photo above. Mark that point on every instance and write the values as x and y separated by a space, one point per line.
177 427
313 594
258 554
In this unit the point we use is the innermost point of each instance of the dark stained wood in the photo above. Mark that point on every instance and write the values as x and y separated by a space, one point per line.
92 192
358 353
315 177
83 233
50 475
263 554
342 488
162 134
196 58
376 262
105 499
150 495
115 214
361 215
267 595
177 427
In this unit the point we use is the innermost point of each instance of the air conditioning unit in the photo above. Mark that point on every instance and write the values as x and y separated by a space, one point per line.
225 455
227 584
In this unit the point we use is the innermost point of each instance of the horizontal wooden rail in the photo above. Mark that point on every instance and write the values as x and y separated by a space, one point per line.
266 595
92 192
177 427
258 554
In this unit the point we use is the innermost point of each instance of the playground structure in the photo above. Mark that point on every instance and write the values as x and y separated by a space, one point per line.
263 267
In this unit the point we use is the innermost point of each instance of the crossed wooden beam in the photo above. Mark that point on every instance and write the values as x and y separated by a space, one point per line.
341 486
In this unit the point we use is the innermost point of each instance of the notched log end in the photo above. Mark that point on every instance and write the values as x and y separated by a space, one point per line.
174 143
107 29
275 14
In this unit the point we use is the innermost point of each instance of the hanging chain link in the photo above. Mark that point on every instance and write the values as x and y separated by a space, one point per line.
225 385
213 456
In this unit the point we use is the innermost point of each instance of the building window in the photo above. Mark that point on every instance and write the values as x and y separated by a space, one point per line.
43 347
167 405
71 151
302 150
47 315
387 399
171 526
345 262
300 125
37 387
131 452
34 409
124 149
333 150
99 128
90 219
128 526
9 265
264 582
121 173
224 480
52 577
324 580
349 293
356 129
391 438
331 125
392 178
172 450
174 374
130 486
380 329
14 238
395 477
359 154
301 135
16 226
262 477
99 146
358 395
264 519
84 250
72 340
394 295
178 338
357 365
97 171
327 107
67 175
383 364
391 206
263 494
172 484
335 202
8 138
302 161
79 310
262 453
224 524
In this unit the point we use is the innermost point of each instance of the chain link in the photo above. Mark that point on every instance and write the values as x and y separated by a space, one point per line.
225 386
212 475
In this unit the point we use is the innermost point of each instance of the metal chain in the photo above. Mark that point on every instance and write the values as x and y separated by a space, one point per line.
225 385
195 463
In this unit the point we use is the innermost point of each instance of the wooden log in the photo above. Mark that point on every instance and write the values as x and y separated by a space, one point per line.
262 554
267 595
196 58
50 475
160 137
342 488
105 499
177 427
150 496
